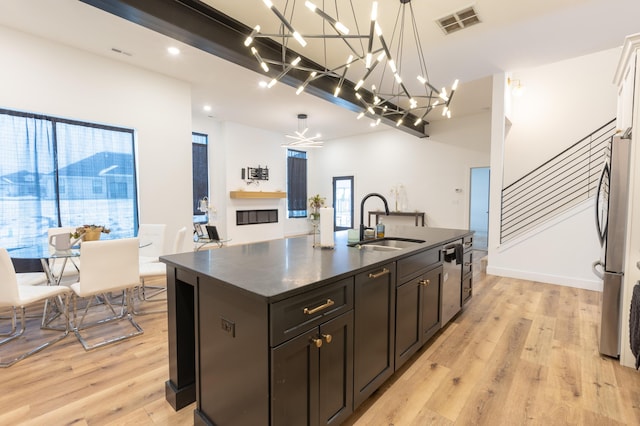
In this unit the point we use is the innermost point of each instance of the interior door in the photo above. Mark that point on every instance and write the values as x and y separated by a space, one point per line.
343 202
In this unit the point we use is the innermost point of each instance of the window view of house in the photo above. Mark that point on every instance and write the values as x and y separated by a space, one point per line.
56 172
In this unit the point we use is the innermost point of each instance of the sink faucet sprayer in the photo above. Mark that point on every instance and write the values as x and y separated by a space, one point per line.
386 211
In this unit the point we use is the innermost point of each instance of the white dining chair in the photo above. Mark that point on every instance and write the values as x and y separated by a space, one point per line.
62 267
17 297
107 266
157 271
152 241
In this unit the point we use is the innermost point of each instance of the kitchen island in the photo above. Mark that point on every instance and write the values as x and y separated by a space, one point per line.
280 332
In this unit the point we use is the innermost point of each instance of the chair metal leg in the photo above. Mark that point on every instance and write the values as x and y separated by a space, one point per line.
124 314
19 333
142 297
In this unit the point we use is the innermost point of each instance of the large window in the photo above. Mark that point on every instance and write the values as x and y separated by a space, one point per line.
56 172
296 183
200 174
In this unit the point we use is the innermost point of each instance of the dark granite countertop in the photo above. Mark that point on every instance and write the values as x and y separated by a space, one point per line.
278 269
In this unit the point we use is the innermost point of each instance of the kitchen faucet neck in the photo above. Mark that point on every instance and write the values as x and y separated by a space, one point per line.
365 198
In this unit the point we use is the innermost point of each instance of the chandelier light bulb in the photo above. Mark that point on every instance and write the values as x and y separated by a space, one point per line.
340 27
455 85
299 39
336 92
359 85
359 116
422 80
374 11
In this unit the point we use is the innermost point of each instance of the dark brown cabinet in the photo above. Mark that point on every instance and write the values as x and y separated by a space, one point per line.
283 349
312 375
374 329
417 304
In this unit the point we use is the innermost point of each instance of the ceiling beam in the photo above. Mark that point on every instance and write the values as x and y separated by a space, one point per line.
199 25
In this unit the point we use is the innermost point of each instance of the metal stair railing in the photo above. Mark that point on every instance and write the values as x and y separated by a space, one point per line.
556 185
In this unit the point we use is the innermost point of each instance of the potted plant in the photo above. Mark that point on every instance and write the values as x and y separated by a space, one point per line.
315 203
90 232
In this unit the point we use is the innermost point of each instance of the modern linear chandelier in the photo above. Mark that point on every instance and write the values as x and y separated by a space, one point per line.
388 81
300 139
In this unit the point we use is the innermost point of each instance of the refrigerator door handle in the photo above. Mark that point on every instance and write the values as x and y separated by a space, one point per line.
599 272
602 222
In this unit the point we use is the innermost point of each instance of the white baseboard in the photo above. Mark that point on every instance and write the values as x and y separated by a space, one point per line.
595 285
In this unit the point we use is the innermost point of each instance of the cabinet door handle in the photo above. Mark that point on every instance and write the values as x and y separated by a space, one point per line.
467 245
467 263
467 290
327 338
318 308
379 274
317 342
424 282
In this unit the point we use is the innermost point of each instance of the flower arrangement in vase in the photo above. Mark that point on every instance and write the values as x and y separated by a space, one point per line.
315 203
90 232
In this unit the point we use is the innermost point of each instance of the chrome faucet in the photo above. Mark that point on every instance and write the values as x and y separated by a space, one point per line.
386 211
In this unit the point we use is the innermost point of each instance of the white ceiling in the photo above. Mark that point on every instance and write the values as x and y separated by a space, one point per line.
513 35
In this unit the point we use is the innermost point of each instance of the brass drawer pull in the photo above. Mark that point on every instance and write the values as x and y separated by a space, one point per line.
379 274
424 282
327 338
467 290
317 342
318 308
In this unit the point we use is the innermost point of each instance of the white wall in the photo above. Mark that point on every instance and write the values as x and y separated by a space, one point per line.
563 102
430 172
48 78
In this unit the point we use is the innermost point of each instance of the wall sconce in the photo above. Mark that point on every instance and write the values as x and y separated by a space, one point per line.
517 89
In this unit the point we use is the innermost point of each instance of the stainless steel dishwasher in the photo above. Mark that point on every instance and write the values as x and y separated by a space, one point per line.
451 281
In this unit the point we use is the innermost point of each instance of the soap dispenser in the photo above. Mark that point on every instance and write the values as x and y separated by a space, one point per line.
380 229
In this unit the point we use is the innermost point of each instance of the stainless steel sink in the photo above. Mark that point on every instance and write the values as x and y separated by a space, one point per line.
375 247
386 244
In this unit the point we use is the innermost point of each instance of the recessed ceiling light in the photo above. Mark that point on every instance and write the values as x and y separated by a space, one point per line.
173 50
207 108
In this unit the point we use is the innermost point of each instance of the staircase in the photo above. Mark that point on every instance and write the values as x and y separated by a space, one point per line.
560 183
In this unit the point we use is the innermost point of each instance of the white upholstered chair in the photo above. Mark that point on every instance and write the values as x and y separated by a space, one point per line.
157 270
17 297
107 266
152 239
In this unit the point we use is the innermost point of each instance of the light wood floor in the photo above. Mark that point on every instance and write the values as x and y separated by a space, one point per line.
520 353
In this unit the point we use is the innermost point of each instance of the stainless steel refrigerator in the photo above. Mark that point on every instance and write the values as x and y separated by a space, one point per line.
611 220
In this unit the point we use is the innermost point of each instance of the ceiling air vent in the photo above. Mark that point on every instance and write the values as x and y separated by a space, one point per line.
458 20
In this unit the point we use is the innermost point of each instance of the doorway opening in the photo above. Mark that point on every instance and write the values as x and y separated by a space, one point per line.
343 202
479 207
